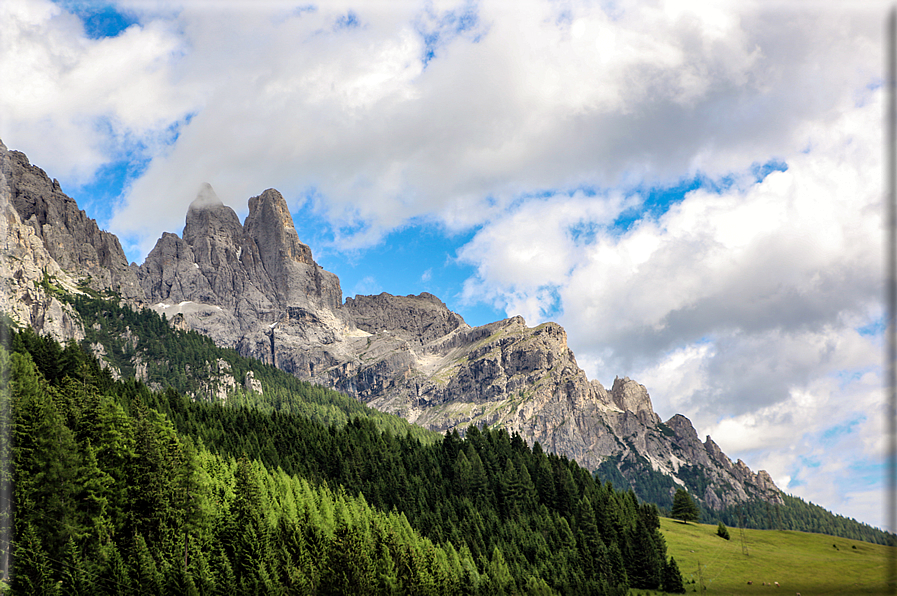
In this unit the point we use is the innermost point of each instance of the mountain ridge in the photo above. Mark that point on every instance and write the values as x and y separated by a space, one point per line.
255 286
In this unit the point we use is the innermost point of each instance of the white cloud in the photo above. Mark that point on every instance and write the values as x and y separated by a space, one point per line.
738 308
530 96
90 98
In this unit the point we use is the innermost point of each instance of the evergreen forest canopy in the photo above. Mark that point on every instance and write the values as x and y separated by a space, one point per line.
122 489
175 358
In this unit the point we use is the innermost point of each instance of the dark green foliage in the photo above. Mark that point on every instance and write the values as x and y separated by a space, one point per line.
672 579
155 493
33 573
722 531
650 486
684 507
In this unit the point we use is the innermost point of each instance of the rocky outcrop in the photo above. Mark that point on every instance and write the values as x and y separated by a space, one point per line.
71 238
630 396
296 278
232 282
28 271
418 319
251 384
218 384
215 264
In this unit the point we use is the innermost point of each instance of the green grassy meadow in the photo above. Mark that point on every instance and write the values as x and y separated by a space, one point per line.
809 564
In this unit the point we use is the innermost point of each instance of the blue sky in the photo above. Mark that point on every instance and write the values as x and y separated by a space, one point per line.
100 19
692 191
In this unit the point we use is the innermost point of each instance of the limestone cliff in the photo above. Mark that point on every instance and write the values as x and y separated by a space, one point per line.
27 268
71 238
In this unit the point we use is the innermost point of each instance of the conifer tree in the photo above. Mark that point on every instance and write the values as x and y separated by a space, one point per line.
500 580
672 578
684 507
146 573
32 572
722 531
75 579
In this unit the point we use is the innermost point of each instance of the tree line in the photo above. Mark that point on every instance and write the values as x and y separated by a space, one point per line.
793 514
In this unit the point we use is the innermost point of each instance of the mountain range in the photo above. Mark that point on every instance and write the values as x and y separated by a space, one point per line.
254 286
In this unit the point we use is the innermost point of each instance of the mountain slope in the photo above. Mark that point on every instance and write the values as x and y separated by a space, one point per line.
256 288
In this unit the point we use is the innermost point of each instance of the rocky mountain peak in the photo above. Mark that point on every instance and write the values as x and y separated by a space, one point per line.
71 238
630 396
270 224
682 426
716 454
298 281
210 222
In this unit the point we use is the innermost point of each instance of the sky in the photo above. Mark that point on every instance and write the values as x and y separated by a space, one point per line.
692 189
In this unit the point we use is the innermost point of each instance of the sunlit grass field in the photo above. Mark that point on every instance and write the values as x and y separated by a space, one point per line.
809 564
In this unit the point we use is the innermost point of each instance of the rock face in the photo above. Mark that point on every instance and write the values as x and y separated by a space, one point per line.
71 238
418 319
630 396
232 282
27 268
256 287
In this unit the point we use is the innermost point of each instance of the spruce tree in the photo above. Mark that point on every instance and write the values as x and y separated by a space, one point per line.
672 578
722 531
684 507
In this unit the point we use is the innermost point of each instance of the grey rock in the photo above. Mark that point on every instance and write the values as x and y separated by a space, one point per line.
25 263
250 383
296 278
418 319
630 396
71 238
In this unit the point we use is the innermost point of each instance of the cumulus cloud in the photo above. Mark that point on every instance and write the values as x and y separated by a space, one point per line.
92 99
788 255
740 305
450 109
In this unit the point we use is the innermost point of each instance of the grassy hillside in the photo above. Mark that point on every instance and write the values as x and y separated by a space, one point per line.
794 514
801 562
